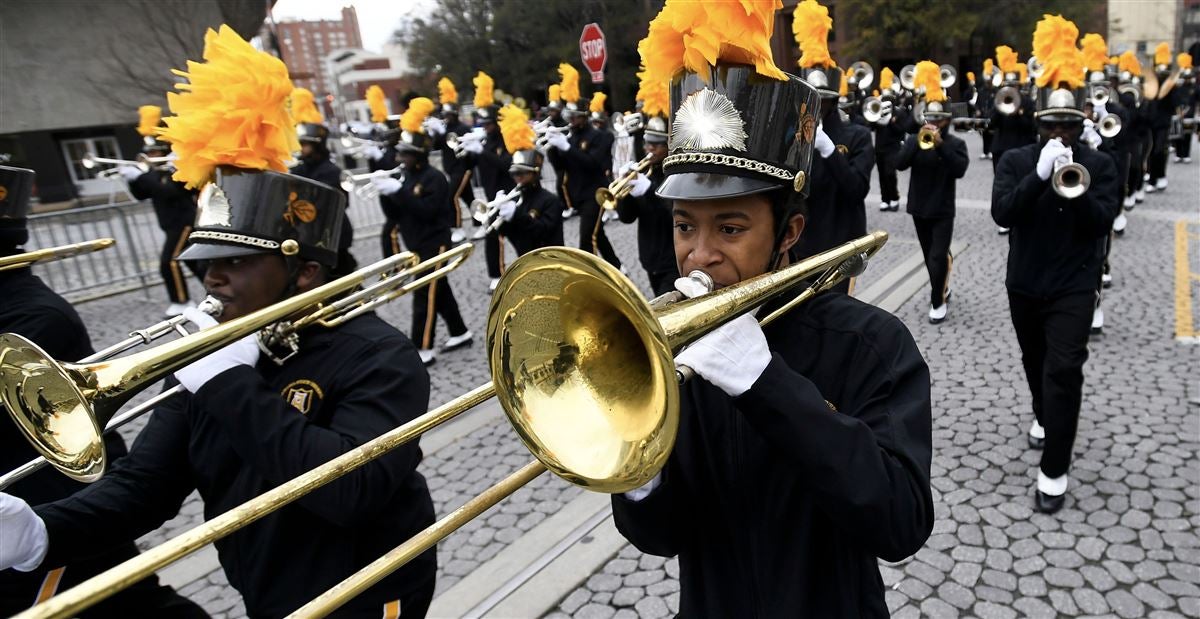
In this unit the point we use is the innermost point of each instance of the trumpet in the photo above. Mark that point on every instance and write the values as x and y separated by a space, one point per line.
50 254
872 109
357 147
926 138
1008 100
360 184
1109 126
1070 179
485 212
607 197
1034 68
908 76
862 75
456 143
1100 95
144 163
947 75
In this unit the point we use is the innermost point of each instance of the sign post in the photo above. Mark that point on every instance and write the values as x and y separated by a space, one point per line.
593 51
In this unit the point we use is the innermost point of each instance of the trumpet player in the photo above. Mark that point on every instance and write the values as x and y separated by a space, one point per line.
533 218
888 127
32 310
931 192
655 225
491 161
457 169
249 423
317 164
1010 129
174 208
1055 254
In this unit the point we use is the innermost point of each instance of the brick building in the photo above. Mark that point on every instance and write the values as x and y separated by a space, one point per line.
305 44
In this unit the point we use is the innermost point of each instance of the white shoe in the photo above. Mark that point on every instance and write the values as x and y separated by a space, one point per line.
1145 176
427 356
607 216
1001 230
495 281
176 309
1129 202
1187 159
1106 280
569 213
938 314
457 236
989 155
1161 185
1037 431
457 341
480 234
885 206
1119 223
1177 160
1148 188
1139 196
983 155
1097 321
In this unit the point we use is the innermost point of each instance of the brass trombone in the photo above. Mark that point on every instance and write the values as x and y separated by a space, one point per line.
607 197
50 254
611 357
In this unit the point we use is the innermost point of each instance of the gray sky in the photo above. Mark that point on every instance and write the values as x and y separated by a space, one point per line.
377 19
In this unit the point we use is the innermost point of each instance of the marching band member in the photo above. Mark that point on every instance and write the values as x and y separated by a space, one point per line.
384 156
534 218
316 164
1161 108
1140 132
935 170
889 135
984 106
841 174
655 246
456 168
491 161
792 472
174 208
418 202
1055 255
249 423
1187 101
1013 130
599 122
554 108
31 309
582 163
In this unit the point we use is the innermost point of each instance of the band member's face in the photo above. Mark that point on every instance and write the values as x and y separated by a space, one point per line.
828 106
658 150
598 125
728 238
306 150
489 127
578 121
409 159
941 124
522 178
1068 131
246 283
555 113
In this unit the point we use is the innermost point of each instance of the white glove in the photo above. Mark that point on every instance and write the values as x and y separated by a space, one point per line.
559 141
242 352
373 152
507 210
823 143
1090 136
1101 112
435 126
130 172
640 186
1051 152
386 184
23 538
885 114
473 146
626 167
733 356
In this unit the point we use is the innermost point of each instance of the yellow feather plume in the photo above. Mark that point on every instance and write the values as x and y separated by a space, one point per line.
693 36
1095 51
1054 45
484 90
569 86
233 111
971 77
988 66
418 110
1184 60
554 93
654 95
811 24
377 101
148 119
1129 62
886 77
1162 53
1114 60
844 87
1022 72
304 109
514 126
597 104
1006 59
929 75
446 91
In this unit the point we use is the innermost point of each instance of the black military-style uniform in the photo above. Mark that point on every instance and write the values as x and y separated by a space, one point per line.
537 222
1056 248
492 166
581 171
389 236
419 209
457 169
1012 130
250 429
773 500
888 139
1160 113
656 233
31 309
931 203
984 103
175 209
838 190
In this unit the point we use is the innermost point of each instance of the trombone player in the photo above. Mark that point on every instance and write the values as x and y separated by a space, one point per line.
653 213
792 472
251 423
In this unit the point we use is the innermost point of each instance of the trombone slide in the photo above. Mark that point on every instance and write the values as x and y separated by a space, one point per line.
50 254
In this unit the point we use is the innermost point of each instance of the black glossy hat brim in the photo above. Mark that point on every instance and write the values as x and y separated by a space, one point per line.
216 251
708 186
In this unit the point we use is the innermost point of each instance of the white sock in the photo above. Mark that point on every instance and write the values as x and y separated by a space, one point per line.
1053 486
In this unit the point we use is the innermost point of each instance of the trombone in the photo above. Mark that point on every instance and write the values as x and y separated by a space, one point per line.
485 212
607 197
50 254
590 306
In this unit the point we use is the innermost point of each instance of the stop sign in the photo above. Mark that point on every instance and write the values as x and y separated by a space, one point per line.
593 51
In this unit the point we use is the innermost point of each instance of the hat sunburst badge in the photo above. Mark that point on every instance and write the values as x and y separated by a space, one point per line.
213 207
708 120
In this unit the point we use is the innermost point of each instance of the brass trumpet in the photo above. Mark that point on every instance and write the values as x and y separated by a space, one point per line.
50 254
862 75
144 163
607 197
926 138
872 109
1008 100
1070 180
485 212
360 184
1109 126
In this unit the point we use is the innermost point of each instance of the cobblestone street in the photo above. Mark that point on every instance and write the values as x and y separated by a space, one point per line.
1126 543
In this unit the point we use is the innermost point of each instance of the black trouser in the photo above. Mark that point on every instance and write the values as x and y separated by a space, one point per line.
169 268
1183 145
1158 155
986 134
389 239
589 227
934 235
1053 334
1137 165
460 184
436 298
662 282
1123 160
885 161
493 249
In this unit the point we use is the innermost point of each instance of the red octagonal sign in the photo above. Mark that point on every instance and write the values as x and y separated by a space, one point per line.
593 51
